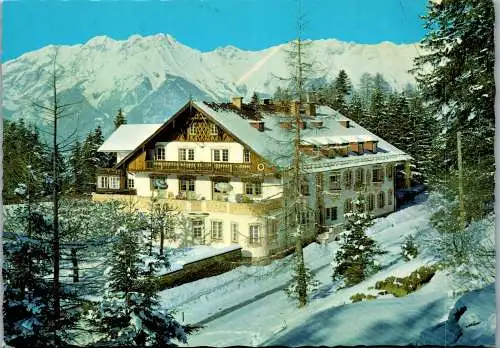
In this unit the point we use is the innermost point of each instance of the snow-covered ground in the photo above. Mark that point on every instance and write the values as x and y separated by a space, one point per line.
248 307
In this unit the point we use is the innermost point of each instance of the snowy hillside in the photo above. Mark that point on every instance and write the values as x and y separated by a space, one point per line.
247 306
149 77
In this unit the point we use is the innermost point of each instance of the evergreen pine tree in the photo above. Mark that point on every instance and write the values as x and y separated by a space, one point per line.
356 111
355 259
129 312
341 90
119 119
460 88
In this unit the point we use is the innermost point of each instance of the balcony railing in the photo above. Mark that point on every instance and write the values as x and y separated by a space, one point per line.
198 167
255 208
127 191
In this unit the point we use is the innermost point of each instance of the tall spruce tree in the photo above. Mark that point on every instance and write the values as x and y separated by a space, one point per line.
129 312
120 118
355 259
341 91
460 88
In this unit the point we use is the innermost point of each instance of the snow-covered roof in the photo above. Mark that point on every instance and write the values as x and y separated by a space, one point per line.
275 143
128 137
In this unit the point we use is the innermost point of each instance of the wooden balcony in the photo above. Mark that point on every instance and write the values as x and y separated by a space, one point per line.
110 191
185 167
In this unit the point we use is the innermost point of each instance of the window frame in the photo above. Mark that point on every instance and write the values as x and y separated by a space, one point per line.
331 213
246 156
348 206
129 181
217 230
334 185
188 183
381 200
192 129
390 195
370 202
214 130
222 155
235 232
252 240
253 189
195 224
186 154
114 182
104 182
160 153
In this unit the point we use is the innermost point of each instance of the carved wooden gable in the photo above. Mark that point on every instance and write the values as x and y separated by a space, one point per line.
193 125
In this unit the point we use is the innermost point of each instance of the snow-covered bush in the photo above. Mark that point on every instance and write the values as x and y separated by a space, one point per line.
409 248
469 253
355 259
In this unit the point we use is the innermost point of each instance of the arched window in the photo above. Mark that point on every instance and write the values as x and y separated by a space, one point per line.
360 177
347 206
380 199
348 178
390 194
389 171
371 202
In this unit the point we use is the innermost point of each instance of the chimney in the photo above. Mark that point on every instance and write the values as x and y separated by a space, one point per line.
259 125
310 109
237 101
295 107
344 123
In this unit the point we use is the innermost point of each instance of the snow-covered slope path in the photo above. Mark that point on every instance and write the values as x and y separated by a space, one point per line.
330 318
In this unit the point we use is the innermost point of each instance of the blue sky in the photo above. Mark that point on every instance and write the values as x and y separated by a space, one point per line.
207 24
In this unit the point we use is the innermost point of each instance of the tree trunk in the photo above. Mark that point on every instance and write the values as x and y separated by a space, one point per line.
74 261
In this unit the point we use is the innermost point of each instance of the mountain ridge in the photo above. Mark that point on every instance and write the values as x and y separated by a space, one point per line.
150 76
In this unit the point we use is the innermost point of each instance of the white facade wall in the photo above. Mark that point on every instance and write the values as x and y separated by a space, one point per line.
202 150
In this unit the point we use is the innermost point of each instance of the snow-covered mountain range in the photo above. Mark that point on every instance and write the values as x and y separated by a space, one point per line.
149 77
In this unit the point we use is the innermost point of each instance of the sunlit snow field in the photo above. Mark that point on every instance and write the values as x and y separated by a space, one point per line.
231 315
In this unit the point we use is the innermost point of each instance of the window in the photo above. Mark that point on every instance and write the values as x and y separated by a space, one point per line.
216 230
334 182
186 154
347 206
220 155
254 235
246 156
360 177
198 228
253 188
103 182
389 170
160 154
331 213
192 129
130 183
390 194
234 232
371 202
380 199
374 147
361 148
348 179
378 175
114 182
214 129
272 230
304 187
186 184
